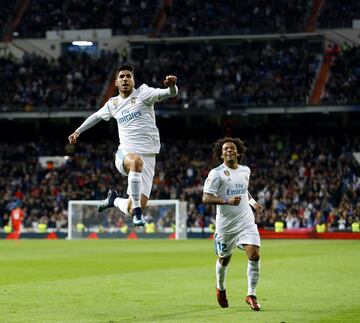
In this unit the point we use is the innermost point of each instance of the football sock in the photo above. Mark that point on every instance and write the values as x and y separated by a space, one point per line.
134 182
122 205
220 275
253 273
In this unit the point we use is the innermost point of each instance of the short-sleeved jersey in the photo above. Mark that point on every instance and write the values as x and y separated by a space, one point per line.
225 182
135 118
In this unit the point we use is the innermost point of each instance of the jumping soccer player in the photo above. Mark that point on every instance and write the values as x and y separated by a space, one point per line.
139 137
227 187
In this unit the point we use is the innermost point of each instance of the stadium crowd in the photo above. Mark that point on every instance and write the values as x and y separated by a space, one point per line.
302 181
251 75
339 14
123 17
194 18
74 81
262 74
166 18
343 84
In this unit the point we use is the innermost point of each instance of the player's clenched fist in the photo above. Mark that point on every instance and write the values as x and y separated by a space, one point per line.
73 137
170 80
234 200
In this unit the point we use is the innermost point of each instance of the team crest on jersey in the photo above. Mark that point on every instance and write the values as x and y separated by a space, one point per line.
247 178
226 172
115 101
133 100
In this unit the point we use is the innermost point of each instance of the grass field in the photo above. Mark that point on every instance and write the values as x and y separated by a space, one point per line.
174 281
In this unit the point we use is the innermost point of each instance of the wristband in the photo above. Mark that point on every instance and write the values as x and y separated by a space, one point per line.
252 202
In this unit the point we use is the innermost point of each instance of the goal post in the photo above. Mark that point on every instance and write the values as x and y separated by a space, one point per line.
166 215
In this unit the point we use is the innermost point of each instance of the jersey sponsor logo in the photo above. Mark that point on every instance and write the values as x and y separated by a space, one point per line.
226 172
130 116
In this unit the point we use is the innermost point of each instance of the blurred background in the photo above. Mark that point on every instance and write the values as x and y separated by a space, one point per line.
284 76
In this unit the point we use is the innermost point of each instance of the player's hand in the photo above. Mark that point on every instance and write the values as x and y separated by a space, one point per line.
258 208
73 138
234 200
170 80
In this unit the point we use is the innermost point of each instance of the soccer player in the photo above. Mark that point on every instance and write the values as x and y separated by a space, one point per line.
139 137
227 187
16 219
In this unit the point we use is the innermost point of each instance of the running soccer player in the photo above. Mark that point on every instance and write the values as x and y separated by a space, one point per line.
227 187
139 137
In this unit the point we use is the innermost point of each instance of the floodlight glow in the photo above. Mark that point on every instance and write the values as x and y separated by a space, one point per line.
82 43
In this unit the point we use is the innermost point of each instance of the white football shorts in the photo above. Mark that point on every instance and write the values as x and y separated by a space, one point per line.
148 171
226 243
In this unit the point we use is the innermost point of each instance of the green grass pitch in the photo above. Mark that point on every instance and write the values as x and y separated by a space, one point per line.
174 281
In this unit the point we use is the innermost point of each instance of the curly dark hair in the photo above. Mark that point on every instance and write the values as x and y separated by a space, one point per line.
217 150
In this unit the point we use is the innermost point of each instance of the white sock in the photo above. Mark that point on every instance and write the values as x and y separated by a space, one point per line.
253 273
220 275
134 182
122 205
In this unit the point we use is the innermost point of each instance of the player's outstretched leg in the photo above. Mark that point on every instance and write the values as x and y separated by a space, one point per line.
221 297
252 301
138 218
108 202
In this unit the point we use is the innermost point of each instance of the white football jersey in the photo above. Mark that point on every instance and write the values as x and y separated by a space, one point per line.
225 182
135 117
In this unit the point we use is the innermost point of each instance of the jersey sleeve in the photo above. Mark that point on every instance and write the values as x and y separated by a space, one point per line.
212 183
151 95
104 112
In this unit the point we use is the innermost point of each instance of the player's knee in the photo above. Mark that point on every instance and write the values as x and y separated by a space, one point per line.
137 164
254 256
224 261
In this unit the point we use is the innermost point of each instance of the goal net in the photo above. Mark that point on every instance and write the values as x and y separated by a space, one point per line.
163 218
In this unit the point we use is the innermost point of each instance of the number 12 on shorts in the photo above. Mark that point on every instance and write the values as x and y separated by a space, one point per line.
220 247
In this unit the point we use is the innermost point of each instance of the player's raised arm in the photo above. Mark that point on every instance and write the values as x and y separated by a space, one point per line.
170 82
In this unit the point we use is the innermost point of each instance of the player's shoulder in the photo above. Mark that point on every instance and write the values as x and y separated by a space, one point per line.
113 101
217 170
144 88
244 168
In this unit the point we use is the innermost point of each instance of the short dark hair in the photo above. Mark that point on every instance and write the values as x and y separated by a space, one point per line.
217 150
126 67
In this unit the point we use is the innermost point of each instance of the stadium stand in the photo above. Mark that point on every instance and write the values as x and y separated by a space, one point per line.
339 14
344 80
235 17
242 73
166 18
123 17
304 181
71 82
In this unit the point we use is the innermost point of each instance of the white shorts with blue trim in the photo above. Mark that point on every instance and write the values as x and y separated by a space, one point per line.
226 243
148 171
